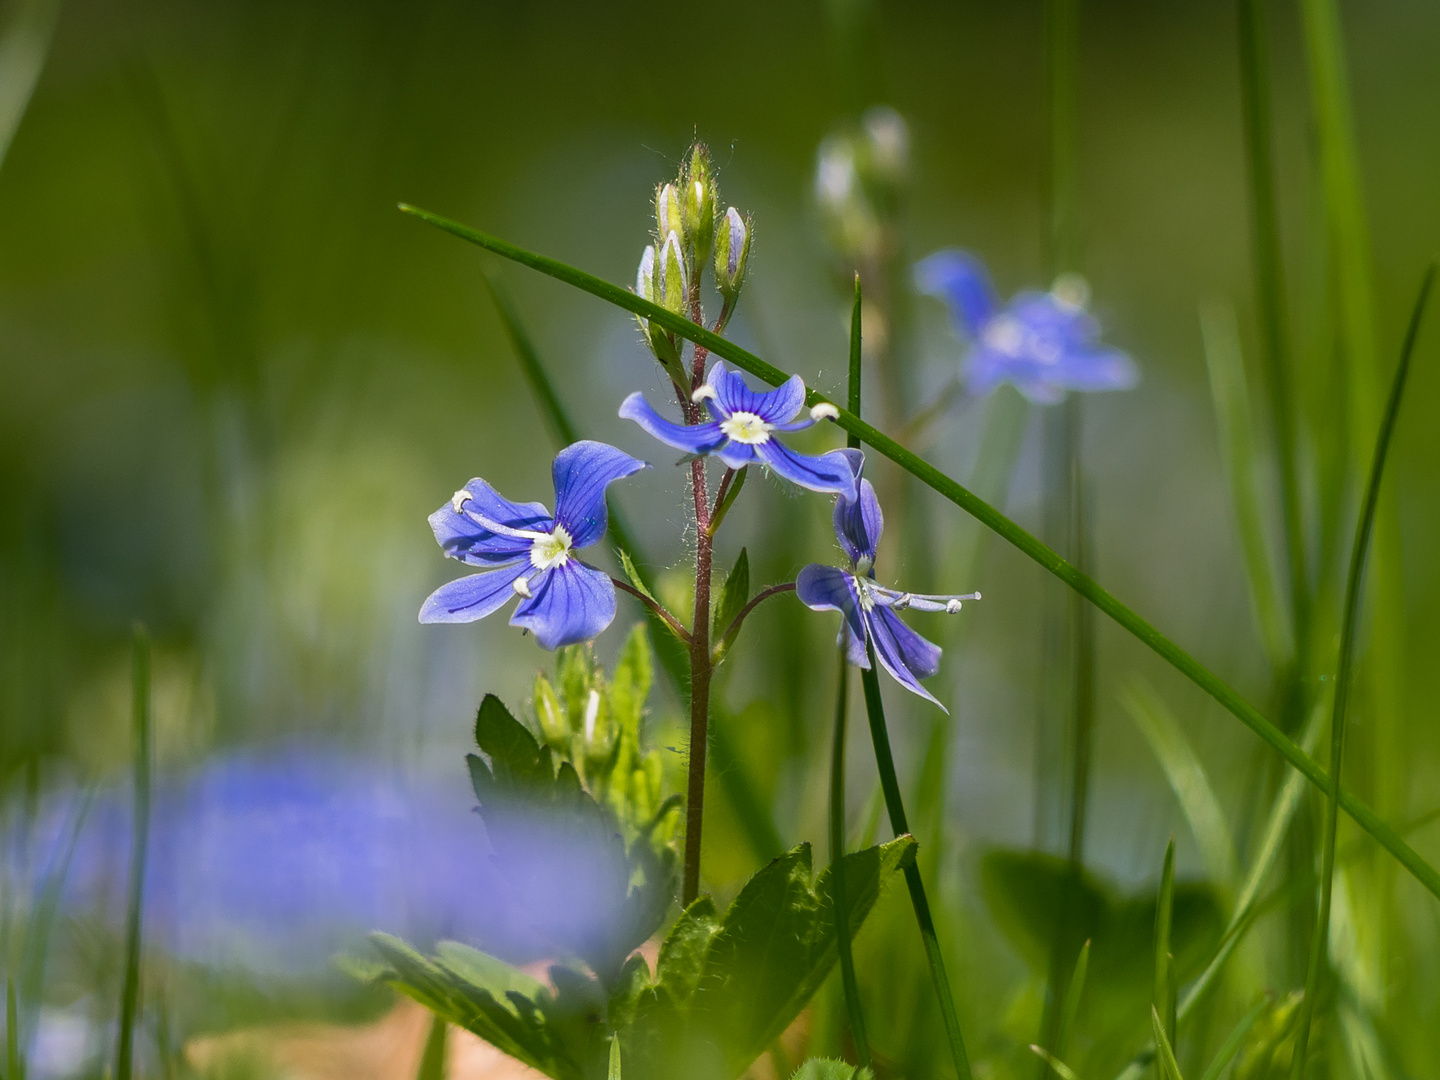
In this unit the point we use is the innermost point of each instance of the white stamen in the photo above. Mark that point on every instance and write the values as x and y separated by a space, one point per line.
824 411
705 391
522 587
459 499
746 427
552 549
952 607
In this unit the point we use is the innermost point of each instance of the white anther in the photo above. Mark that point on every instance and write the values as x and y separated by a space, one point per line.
705 391
459 499
824 411
592 712
521 586
953 607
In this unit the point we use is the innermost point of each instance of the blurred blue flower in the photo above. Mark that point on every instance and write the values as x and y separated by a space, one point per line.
528 552
868 607
1045 344
743 429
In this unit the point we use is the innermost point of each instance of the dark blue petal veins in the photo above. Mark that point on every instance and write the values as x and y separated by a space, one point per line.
776 406
469 598
859 523
906 655
699 439
825 588
582 472
567 605
828 472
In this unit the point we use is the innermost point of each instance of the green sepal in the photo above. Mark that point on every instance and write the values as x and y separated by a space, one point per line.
734 595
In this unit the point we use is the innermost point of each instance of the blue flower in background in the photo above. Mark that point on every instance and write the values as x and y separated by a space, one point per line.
530 553
744 428
1045 344
868 607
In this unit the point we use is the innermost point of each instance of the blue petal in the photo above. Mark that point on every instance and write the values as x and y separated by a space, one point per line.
828 472
773 406
737 455
959 279
696 439
582 472
1097 368
906 655
469 598
826 588
859 523
568 604
462 537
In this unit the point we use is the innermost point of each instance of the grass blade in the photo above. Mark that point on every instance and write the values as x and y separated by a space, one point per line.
1070 1009
1238 453
139 845
1167 1067
1163 994
837 867
1319 946
890 785
1236 1039
23 51
1270 303
614 1071
987 515
561 426
1187 779
1057 1066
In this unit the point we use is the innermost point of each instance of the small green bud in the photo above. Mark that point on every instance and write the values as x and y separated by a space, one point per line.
669 214
732 252
698 199
672 286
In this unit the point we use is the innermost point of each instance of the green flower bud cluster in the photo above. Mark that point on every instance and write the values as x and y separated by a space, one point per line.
860 179
596 723
689 229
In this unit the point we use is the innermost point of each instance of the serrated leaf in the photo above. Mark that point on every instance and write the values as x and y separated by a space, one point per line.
515 756
682 956
733 595
830 1069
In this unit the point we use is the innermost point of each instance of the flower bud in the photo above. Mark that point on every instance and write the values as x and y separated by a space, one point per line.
698 199
669 215
732 251
672 287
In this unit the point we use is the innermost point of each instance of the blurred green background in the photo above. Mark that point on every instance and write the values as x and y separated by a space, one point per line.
234 380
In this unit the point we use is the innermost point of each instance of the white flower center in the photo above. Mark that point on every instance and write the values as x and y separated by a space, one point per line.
862 587
551 549
1005 334
746 427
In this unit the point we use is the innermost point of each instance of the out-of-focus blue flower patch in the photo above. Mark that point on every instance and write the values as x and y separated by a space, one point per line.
1044 343
274 862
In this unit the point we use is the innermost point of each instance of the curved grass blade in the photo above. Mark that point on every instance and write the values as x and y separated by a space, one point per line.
1236 1038
983 512
1058 1067
23 51
1348 626
1169 1068
1187 779
1070 1009
1238 453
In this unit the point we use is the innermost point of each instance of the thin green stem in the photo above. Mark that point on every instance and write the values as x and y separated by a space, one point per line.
987 515
894 804
728 637
1319 946
139 849
837 867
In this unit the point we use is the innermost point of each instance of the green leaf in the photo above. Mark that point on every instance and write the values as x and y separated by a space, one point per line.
1070 1007
1058 1067
432 1060
614 1071
516 759
726 988
733 596
1164 914
630 685
982 511
1187 779
1236 1039
830 1069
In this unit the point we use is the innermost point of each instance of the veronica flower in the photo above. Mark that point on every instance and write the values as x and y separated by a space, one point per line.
744 428
868 607
1045 344
530 553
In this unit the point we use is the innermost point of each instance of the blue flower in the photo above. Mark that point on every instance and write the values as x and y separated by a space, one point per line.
529 552
1045 344
868 607
744 427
